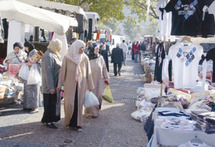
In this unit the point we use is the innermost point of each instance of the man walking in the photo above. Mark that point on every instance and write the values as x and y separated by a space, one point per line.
116 59
124 47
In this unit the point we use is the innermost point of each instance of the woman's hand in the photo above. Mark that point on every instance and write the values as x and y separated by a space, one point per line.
52 91
106 82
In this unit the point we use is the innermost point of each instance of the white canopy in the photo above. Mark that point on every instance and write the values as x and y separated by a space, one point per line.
21 12
56 5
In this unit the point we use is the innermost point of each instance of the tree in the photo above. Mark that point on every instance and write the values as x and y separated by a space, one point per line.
139 7
150 27
132 29
107 9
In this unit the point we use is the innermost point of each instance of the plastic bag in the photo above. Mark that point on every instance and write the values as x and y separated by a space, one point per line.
24 72
34 76
107 95
90 100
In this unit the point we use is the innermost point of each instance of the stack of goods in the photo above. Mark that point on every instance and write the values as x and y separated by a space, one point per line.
205 121
36 57
148 66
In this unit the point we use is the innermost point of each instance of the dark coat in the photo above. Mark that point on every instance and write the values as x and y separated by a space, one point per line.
104 53
117 55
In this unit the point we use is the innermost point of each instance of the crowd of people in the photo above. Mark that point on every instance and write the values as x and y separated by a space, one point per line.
83 68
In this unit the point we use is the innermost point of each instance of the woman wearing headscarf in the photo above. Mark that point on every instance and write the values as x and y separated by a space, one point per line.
100 74
51 65
17 56
31 92
76 77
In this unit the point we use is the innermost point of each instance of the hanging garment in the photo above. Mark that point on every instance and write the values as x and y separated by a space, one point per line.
160 55
185 61
210 56
187 17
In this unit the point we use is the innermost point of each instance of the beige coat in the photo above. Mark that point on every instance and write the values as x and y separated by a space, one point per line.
99 73
67 77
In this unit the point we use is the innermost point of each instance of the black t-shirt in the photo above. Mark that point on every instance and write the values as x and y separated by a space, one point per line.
211 56
187 17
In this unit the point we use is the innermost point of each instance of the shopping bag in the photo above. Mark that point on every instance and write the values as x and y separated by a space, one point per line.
107 95
24 72
90 100
34 76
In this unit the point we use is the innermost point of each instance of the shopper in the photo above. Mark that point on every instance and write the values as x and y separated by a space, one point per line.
17 56
129 47
99 74
116 59
76 76
51 65
124 47
104 53
32 95
136 51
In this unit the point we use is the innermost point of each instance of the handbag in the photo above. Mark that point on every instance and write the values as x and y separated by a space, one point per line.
34 76
107 95
24 72
90 100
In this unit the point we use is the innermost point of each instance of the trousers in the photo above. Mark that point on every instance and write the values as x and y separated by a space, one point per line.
119 65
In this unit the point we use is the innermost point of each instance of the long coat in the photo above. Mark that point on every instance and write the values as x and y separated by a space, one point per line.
117 55
99 73
67 78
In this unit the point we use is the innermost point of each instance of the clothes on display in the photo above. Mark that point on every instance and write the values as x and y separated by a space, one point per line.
211 9
188 17
210 56
160 56
185 59
193 144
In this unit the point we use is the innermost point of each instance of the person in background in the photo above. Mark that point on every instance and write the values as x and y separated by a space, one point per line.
132 50
107 47
31 39
104 53
129 47
99 74
32 96
51 65
153 48
116 59
136 51
124 47
17 56
76 76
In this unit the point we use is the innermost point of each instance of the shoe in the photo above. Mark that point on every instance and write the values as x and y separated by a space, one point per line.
79 129
119 74
66 127
33 111
51 125
115 75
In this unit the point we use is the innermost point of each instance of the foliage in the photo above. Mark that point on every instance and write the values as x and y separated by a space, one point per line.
139 7
107 9
132 29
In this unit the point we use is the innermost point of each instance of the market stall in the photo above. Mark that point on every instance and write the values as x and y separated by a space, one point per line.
19 13
177 108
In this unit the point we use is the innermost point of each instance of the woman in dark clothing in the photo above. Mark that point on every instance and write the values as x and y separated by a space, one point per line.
51 65
104 53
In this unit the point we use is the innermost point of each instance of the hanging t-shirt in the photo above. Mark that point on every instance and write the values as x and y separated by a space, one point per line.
211 56
160 55
211 9
187 17
185 61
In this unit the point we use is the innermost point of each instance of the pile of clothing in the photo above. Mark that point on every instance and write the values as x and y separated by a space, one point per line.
205 121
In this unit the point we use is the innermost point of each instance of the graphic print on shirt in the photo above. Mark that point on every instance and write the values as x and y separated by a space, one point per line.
189 56
186 10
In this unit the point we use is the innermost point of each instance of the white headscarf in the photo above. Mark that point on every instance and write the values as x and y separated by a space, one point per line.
74 56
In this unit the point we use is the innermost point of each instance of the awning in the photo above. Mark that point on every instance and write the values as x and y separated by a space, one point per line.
21 12
55 5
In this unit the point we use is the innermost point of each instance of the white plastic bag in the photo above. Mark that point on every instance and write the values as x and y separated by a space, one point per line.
90 100
34 76
24 72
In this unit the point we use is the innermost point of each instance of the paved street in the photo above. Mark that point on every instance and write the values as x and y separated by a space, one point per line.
113 128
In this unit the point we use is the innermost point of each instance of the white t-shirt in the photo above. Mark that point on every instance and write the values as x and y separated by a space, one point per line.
124 47
211 9
185 61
